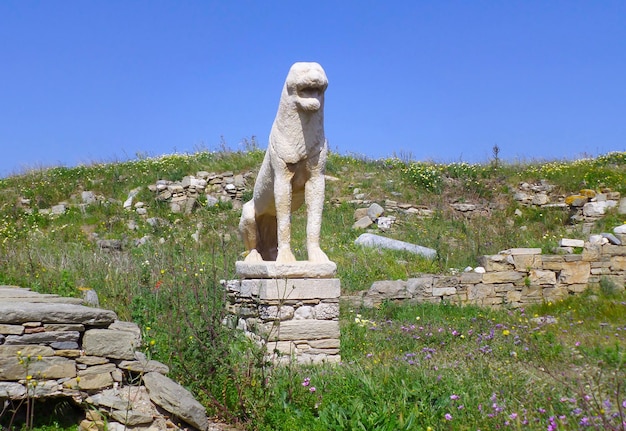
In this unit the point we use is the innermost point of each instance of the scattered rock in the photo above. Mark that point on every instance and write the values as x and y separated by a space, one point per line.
381 242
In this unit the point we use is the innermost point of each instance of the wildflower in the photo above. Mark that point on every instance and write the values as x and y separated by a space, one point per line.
447 417
584 422
306 382
312 389
513 416
454 397
152 342
29 377
506 332
417 318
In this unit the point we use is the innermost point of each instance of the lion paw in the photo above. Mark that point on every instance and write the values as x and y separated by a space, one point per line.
253 256
285 256
317 255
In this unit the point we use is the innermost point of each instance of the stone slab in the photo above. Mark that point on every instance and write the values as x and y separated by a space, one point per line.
305 330
300 289
569 242
381 242
110 343
176 399
269 270
521 251
11 329
19 312
49 367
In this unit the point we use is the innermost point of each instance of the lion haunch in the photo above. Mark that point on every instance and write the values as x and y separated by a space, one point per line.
292 172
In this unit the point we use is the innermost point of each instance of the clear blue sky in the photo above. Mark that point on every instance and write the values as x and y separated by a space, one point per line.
84 81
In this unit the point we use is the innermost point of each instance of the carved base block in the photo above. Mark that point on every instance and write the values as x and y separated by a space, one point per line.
297 319
300 269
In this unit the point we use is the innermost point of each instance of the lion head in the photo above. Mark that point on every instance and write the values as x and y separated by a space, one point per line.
306 84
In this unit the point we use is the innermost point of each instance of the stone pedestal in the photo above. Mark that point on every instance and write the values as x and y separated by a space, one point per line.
296 317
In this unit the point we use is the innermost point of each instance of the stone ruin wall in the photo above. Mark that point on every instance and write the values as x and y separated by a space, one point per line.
512 278
54 347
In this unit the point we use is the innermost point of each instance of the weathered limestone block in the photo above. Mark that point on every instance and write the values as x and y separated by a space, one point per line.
524 262
110 343
480 291
618 263
175 399
44 338
521 251
513 296
64 327
614 250
496 262
574 273
362 223
97 369
49 367
303 330
591 252
144 365
25 351
386 289
555 293
471 277
284 347
502 277
568 242
542 277
374 211
12 391
46 388
381 242
532 293
11 329
90 382
444 291
54 313
292 270
421 286
131 417
131 327
244 288
91 360
330 343
504 287
300 289
576 288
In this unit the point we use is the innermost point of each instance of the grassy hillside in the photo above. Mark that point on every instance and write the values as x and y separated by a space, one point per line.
468 359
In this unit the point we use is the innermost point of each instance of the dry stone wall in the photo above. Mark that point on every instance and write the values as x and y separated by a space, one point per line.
514 277
53 347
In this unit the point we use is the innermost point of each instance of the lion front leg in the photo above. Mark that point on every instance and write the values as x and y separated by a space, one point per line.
248 230
314 198
282 196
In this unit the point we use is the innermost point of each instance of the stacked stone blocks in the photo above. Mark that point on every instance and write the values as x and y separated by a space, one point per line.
55 347
296 318
511 278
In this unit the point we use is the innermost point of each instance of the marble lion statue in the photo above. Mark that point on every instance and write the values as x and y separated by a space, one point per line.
292 172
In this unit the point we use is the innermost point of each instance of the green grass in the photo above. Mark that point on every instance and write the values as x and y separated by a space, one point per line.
404 366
